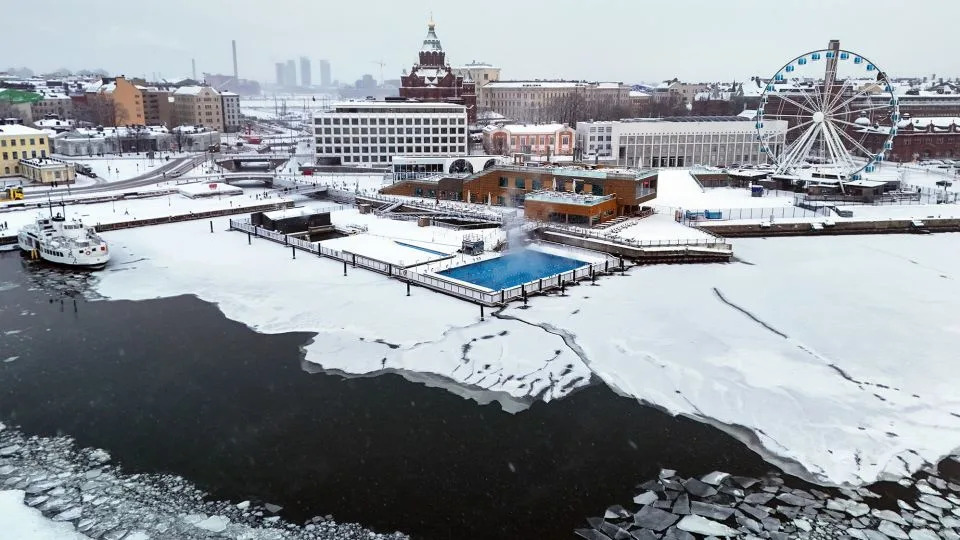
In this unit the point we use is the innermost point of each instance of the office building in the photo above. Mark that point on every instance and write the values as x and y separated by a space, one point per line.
544 101
370 133
682 141
305 71
325 80
290 74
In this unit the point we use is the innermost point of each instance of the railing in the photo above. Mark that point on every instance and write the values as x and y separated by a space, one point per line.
695 219
440 208
715 242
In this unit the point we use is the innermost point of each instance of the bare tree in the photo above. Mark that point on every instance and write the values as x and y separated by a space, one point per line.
99 110
9 111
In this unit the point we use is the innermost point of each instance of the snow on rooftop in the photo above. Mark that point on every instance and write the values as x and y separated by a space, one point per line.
291 213
521 129
193 90
17 129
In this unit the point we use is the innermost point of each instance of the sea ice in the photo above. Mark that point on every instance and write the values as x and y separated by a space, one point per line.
702 525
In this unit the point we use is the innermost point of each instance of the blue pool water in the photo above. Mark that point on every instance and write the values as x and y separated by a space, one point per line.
513 269
404 244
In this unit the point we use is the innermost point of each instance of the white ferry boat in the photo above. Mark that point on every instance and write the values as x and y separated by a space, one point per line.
59 241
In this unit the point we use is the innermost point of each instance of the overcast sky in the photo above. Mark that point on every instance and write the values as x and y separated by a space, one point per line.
620 40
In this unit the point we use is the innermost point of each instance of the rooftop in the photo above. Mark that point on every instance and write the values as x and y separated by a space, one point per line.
17 129
344 106
44 163
532 128
566 197
192 90
550 84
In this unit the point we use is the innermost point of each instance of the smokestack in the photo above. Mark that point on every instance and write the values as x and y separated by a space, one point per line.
236 76
193 64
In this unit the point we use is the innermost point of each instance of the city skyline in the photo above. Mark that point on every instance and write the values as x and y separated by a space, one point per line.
693 40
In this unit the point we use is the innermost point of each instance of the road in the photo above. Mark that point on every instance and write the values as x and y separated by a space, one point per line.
173 169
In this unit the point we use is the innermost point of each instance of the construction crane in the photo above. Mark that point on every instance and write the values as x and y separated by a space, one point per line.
380 63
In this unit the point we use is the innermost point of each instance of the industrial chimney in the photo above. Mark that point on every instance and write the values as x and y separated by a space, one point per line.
236 76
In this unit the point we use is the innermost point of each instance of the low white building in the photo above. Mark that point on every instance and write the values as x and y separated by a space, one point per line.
83 141
681 141
370 133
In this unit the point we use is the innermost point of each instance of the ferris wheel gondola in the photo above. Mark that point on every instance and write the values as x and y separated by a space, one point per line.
841 113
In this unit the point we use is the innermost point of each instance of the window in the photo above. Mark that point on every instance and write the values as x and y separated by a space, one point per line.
536 184
520 183
3 142
503 181
15 156
6 156
23 142
13 142
500 200
33 141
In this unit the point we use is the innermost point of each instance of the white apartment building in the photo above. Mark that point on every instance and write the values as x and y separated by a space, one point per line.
370 133
231 111
534 101
682 141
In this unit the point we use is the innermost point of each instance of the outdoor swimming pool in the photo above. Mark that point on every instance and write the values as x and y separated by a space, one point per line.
513 269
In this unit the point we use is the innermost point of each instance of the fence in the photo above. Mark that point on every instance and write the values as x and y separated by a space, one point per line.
446 208
715 242
692 219
459 290
907 195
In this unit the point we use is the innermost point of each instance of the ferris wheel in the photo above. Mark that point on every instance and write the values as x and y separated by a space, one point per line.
839 110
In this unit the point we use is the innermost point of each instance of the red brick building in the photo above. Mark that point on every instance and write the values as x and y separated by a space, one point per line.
433 80
622 192
920 138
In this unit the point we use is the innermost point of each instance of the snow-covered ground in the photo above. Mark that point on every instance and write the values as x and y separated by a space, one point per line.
907 211
677 189
24 523
117 168
920 175
131 209
832 353
655 228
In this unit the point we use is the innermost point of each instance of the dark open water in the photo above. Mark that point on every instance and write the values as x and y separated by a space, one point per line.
172 386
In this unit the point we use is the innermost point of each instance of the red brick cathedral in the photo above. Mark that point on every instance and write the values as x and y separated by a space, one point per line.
432 79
